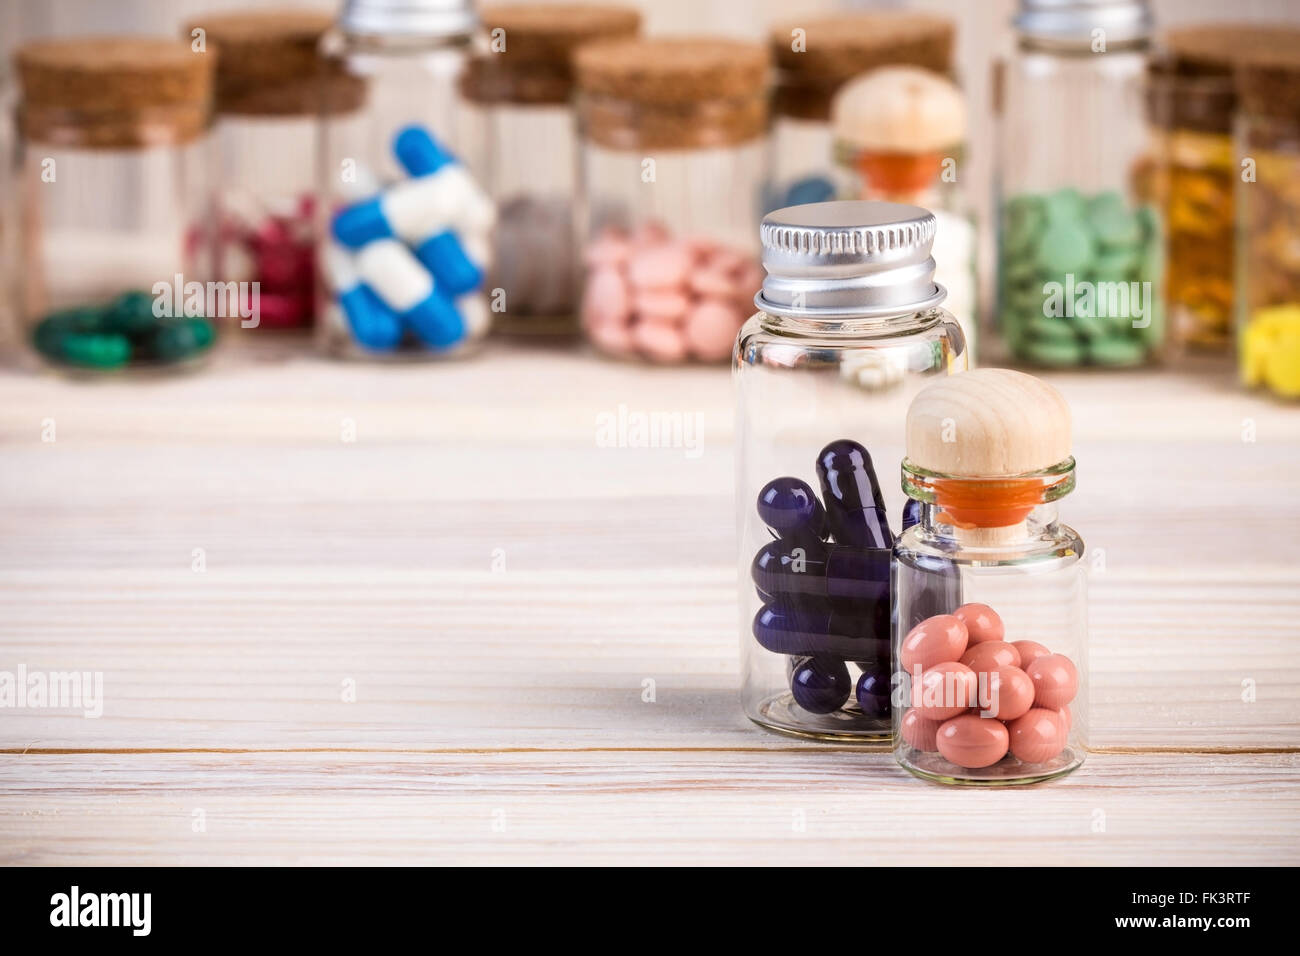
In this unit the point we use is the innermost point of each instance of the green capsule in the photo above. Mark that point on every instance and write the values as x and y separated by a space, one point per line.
94 349
131 314
1117 351
1059 354
179 339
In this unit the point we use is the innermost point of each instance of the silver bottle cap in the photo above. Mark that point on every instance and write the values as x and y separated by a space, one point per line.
1072 23
845 260
428 18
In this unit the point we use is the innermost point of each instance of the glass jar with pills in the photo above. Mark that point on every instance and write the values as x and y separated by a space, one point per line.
407 221
1268 201
112 269
674 151
899 132
815 57
271 90
850 327
990 631
1079 277
522 81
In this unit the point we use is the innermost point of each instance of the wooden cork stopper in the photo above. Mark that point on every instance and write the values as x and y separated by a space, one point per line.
827 52
268 63
899 109
672 92
988 423
535 64
113 91
1268 84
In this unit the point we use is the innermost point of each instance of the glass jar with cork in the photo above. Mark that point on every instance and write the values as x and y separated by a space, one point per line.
271 90
849 285
990 634
815 57
1268 202
522 82
114 199
406 246
1079 276
674 149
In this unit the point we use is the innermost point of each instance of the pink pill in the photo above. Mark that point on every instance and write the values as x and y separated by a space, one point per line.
712 282
945 690
663 266
972 742
1030 651
660 305
1067 719
661 343
650 233
605 301
1055 680
1037 736
711 329
612 339
982 622
939 638
918 731
990 655
1008 692
608 249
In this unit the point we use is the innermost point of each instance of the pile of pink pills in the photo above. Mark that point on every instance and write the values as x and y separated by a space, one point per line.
277 249
651 295
975 697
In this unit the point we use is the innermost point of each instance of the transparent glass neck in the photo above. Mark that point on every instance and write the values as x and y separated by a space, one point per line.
854 327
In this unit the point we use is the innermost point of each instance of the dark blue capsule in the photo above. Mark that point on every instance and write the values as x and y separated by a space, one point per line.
820 685
911 513
873 690
790 508
855 508
814 569
807 630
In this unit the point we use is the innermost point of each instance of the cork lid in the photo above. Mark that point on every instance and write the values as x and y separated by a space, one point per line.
1268 84
899 109
671 70
531 49
841 47
1216 48
107 83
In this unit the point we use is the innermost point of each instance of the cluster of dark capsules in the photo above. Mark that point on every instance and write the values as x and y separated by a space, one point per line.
824 582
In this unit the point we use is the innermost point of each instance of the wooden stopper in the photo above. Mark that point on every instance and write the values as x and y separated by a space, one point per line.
988 423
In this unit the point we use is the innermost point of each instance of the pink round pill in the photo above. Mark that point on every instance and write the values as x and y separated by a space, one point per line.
711 329
1067 719
712 282
945 690
659 342
1037 736
660 305
663 266
918 731
1008 692
939 638
990 655
608 249
982 622
612 339
1055 681
972 742
605 302
1030 651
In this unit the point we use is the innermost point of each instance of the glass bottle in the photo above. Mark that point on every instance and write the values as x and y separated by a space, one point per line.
815 57
1079 256
990 630
113 268
848 284
674 150
522 84
406 243
1268 209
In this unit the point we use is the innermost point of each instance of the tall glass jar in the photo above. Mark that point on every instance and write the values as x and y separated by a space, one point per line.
814 58
406 241
846 281
523 83
1079 258
899 134
270 91
674 149
1268 204
112 267
990 630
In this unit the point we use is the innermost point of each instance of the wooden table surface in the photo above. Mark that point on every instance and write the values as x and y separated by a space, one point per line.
433 642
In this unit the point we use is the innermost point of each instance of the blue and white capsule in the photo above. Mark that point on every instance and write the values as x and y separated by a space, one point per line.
406 287
372 323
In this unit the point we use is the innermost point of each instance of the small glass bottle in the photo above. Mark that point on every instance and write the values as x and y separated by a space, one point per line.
990 629
899 133
522 83
1268 208
815 57
271 89
406 242
1079 255
113 265
674 150
848 283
